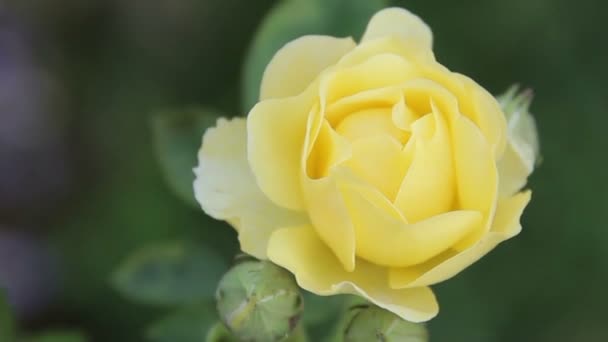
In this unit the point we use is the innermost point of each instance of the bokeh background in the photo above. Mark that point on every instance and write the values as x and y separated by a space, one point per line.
81 186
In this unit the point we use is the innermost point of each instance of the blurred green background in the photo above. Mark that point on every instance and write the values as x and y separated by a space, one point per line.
81 186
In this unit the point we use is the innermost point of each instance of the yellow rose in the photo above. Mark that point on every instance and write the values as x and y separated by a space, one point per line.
366 168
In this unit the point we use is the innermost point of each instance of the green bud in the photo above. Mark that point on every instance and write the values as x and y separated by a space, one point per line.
514 100
259 301
521 154
370 323
219 333
520 122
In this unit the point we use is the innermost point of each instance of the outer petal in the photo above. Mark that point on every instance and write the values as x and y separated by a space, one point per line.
521 153
226 188
513 170
299 62
276 133
402 23
506 225
483 108
476 174
317 270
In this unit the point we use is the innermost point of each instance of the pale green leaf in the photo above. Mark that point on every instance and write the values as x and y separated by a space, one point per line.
170 274
178 137
190 324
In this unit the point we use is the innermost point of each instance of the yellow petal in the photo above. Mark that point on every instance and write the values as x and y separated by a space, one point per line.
428 188
392 45
371 122
331 219
505 225
476 174
328 150
379 71
423 96
324 204
226 188
276 133
299 62
379 161
317 270
387 240
513 170
369 99
509 210
402 23
402 116
484 110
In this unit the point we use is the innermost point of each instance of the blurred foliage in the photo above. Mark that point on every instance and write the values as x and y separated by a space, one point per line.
7 324
121 61
58 336
169 274
185 325
9 333
177 138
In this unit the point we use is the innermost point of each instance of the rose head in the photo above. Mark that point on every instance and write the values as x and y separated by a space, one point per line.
367 168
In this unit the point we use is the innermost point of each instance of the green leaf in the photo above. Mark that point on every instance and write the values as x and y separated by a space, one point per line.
190 324
170 274
295 18
178 137
56 336
322 309
7 323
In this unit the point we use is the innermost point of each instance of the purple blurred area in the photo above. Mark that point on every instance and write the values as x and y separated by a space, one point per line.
34 171
27 273
33 163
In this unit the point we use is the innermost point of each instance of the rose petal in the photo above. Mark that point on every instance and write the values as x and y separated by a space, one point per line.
379 161
316 269
276 133
373 122
476 175
381 98
379 71
329 149
402 23
226 188
387 240
299 62
324 204
402 116
483 109
428 188
506 225
513 170
520 155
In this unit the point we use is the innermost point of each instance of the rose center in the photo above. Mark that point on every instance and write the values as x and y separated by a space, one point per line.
371 122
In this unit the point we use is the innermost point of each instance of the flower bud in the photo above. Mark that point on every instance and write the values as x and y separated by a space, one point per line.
371 323
521 124
219 333
259 301
521 154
